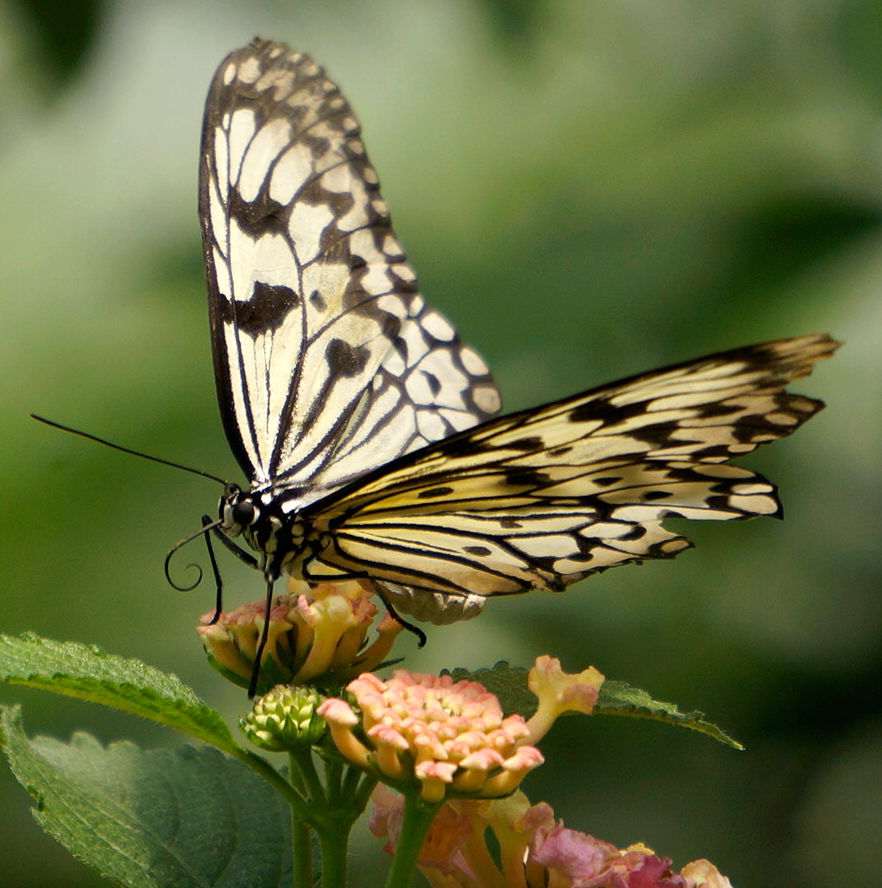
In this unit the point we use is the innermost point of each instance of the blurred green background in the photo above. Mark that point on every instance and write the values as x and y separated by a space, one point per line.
589 190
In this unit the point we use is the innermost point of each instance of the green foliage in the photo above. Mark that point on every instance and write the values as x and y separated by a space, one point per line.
88 673
154 818
619 698
194 817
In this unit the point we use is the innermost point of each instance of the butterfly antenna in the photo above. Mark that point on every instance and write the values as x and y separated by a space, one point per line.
165 462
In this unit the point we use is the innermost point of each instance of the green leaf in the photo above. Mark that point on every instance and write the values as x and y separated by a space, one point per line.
509 684
154 819
88 673
619 698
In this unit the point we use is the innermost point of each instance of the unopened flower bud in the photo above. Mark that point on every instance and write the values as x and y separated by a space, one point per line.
285 718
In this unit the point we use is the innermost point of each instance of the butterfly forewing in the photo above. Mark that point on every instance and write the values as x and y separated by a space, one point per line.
328 362
542 498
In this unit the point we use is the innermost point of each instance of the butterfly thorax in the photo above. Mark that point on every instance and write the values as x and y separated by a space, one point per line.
277 537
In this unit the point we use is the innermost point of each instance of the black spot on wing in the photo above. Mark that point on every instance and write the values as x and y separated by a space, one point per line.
599 408
713 452
720 409
318 145
527 445
317 300
720 501
477 550
266 310
260 216
391 328
670 513
526 477
433 381
607 480
652 495
434 491
345 359
746 429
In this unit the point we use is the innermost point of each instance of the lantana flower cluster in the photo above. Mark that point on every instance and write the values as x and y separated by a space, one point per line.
313 631
533 850
448 760
451 737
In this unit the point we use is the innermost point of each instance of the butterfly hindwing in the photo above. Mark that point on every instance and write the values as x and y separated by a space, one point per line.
327 360
542 498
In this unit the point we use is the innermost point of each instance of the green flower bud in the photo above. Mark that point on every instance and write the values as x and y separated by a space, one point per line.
285 718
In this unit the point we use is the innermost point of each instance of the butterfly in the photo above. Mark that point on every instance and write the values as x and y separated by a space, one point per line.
367 428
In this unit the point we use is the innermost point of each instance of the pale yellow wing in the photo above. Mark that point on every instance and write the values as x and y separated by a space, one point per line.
542 498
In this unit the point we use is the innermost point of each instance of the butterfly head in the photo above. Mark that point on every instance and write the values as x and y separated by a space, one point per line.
237 510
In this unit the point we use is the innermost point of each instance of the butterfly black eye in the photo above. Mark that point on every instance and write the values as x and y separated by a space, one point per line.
243 513
231 491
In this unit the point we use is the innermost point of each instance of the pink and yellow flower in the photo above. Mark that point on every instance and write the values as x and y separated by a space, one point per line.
312 632
559 692
534 850
450 737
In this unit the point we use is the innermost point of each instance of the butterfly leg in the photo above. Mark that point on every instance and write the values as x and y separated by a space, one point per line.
421 636
255 671
215 570
243 555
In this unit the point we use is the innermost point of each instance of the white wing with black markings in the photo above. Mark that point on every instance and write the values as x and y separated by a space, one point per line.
327 360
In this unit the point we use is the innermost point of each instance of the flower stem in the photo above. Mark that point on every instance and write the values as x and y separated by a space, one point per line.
301 848
333 777
360 790
304 777
333 842
418 817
